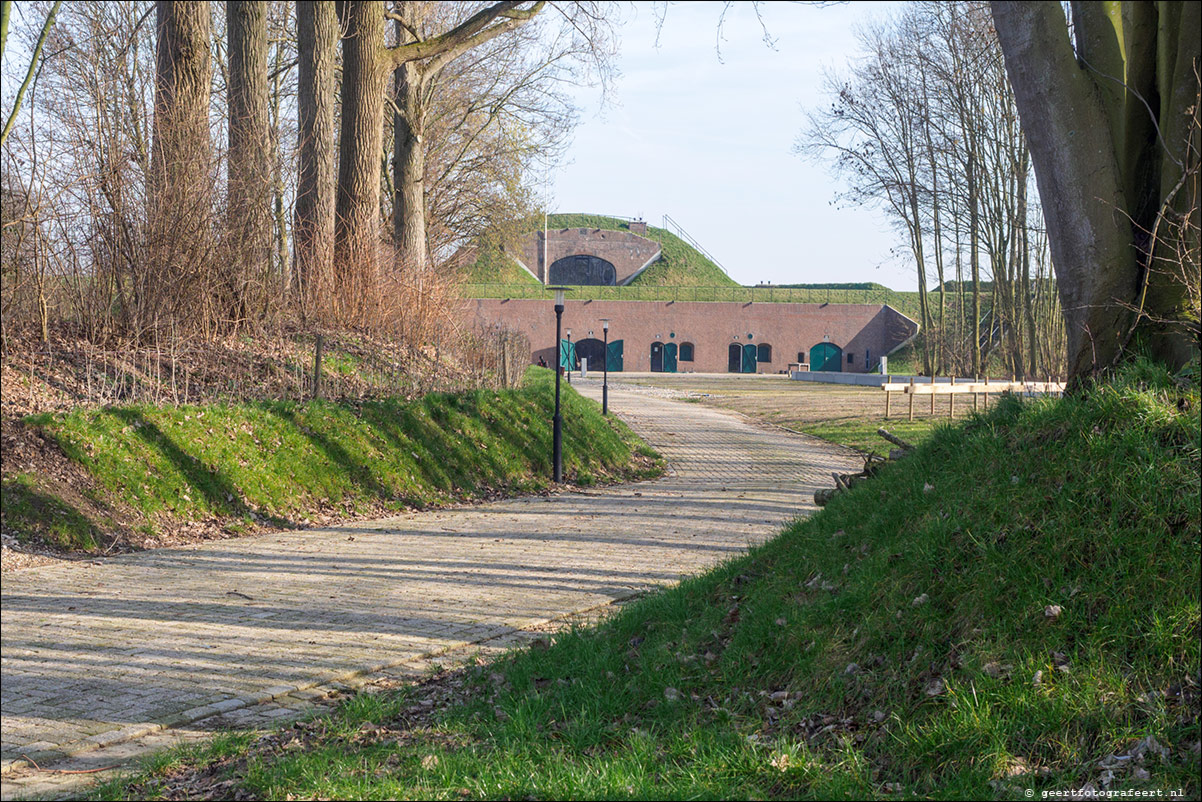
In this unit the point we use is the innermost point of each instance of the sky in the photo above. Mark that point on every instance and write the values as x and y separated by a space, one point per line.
707 139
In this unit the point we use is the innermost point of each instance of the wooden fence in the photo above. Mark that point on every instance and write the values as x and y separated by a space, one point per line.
978 388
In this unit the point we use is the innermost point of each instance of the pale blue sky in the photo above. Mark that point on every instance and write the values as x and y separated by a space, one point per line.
709 142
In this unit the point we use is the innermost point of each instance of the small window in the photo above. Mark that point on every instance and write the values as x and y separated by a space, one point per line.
851 358
686 352
763 353
801 357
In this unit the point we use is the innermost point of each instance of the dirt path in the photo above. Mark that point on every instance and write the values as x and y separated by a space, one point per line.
106 652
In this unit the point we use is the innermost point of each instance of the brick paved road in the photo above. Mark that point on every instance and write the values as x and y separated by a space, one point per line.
97 653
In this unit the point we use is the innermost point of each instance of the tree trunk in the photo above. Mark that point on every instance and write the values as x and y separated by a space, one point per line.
249 177
364 79
409 154
313 231
1081 140
180 181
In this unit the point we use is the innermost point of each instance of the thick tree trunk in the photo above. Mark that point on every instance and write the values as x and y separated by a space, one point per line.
1108 171
1080 186
365 69
409 154
248 223
180 181
313 231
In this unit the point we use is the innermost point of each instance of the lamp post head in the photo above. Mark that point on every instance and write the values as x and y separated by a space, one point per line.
559 291
605 323
569 331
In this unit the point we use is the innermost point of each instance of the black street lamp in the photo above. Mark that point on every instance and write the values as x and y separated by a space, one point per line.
605 369
570 355
557 421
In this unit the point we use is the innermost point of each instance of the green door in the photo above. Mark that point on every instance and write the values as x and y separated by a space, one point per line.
670 358
567 354
826 356
749 362
613 356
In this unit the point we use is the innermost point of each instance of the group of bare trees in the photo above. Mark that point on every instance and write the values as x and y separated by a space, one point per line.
172 168
923 123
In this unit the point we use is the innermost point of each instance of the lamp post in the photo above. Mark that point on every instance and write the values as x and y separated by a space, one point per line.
557 421
569 352
605 369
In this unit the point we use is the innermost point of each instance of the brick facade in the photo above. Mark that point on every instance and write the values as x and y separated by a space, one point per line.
864 332
628 253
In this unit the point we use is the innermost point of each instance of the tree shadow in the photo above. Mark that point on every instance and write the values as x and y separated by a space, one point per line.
221 494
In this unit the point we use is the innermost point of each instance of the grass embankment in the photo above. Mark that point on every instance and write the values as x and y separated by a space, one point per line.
1014 606
278 462
861 434
679 265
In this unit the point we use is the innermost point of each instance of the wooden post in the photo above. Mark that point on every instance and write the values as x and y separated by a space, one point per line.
504 362
951 407
887 395
976 397
911 398
986 391
317 369
932 395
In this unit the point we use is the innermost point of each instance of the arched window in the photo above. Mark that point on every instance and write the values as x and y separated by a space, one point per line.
686 352
763 353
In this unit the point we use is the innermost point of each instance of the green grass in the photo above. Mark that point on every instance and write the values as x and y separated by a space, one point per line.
679 265
278 461
861 434
27 509
896 643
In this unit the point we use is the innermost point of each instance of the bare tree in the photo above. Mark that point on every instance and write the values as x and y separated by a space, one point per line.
5 14
468 123
248 222
367 62
313 231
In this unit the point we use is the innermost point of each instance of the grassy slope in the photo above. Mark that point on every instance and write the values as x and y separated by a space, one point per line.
280 460
681 265
896 643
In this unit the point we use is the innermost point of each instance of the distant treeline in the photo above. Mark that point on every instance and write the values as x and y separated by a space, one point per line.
863 285
987 286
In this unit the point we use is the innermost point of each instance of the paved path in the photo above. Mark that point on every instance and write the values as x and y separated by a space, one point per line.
95 653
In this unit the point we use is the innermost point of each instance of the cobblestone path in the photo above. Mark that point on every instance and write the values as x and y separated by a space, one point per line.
95 653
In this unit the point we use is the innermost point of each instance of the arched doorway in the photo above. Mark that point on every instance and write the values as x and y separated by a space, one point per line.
749 357
657 357
734 358
670 358
826 356
593 350
583 268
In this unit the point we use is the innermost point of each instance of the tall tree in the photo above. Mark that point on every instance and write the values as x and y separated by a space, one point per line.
313 230
413 83
1112 117
181 160
366 64
248 224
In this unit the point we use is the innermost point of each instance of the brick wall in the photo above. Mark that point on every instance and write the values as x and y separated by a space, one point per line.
861 330
628 253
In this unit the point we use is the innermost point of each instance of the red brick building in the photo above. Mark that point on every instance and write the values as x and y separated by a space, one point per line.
702 337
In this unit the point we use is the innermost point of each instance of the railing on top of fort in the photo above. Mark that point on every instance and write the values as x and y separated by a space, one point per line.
904 302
